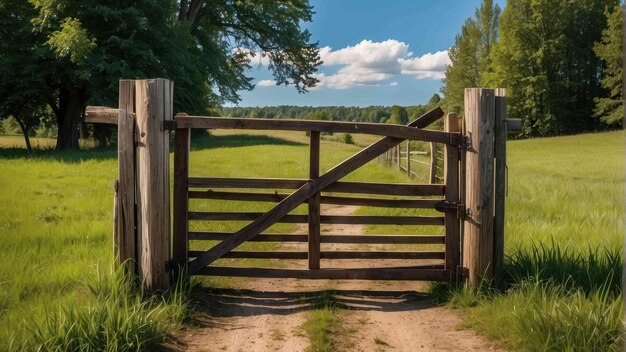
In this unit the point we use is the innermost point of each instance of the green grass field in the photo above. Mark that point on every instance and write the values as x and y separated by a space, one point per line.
564 192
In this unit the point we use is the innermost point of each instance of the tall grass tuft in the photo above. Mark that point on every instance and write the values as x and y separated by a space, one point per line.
121 318
550 317
593 270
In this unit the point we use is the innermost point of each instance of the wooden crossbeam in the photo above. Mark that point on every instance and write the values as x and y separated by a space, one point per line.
103 114
305 192
387 130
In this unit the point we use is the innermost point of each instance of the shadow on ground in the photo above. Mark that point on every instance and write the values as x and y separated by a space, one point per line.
241 302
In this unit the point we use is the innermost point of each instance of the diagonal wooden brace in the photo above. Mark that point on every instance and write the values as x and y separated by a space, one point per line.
305 192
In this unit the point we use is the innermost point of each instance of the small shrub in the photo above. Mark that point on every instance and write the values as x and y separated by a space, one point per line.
347 138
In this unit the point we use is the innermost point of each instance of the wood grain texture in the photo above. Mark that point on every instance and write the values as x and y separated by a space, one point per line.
299 196
332 274
478 226
182 139
153 106
277 197
392 189
387 130
314 204
451 174
328 255
324 219
127 250
328 238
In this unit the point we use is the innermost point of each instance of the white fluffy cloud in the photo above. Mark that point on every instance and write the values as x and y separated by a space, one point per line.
266 83
370 63
430 65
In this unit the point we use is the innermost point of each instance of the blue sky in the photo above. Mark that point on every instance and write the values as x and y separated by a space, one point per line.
376 52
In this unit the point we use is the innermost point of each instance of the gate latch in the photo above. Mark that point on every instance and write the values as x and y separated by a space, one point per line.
446 206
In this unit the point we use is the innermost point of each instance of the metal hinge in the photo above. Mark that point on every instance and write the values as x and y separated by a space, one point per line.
446 206
169 125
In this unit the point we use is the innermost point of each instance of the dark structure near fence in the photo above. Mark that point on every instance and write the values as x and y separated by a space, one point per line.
470 202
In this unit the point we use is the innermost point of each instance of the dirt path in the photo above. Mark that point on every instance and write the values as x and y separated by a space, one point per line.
256 315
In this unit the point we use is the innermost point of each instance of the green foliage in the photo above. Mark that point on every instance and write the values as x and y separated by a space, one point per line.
318 115
610 109
76 51
470 55
548 64
347 138
399 116
72 40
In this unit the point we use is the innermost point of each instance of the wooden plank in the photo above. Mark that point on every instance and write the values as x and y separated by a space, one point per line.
182 139
328 255
277 197
500 191
299 196
451 174
369 239
478 225
314 204
331 274
512 125
381 255
324 219
103 114
153 104
386 130
127 250
393 189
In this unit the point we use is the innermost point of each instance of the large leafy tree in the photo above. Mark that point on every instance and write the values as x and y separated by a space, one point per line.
610 108
82 47
546 60
470 55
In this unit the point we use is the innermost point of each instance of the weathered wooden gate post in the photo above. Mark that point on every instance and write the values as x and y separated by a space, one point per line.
153 105
479 182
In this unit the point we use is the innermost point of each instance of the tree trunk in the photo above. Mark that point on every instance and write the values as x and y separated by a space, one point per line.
71 107
25 132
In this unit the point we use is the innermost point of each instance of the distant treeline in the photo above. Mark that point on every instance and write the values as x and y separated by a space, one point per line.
375 113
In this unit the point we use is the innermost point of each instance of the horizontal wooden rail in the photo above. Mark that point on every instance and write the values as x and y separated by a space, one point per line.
330 274
325 219
369 239
328 255
393 189
277 197
387 130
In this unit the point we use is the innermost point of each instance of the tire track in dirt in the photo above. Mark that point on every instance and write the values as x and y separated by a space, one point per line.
255 315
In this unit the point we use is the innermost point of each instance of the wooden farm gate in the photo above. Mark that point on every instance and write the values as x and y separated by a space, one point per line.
443 197
144 242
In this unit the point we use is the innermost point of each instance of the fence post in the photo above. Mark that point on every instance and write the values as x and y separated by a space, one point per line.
408 158
451 174
399 158
125 241
478 225
433 162
153 102
180 242
500 191
314 204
